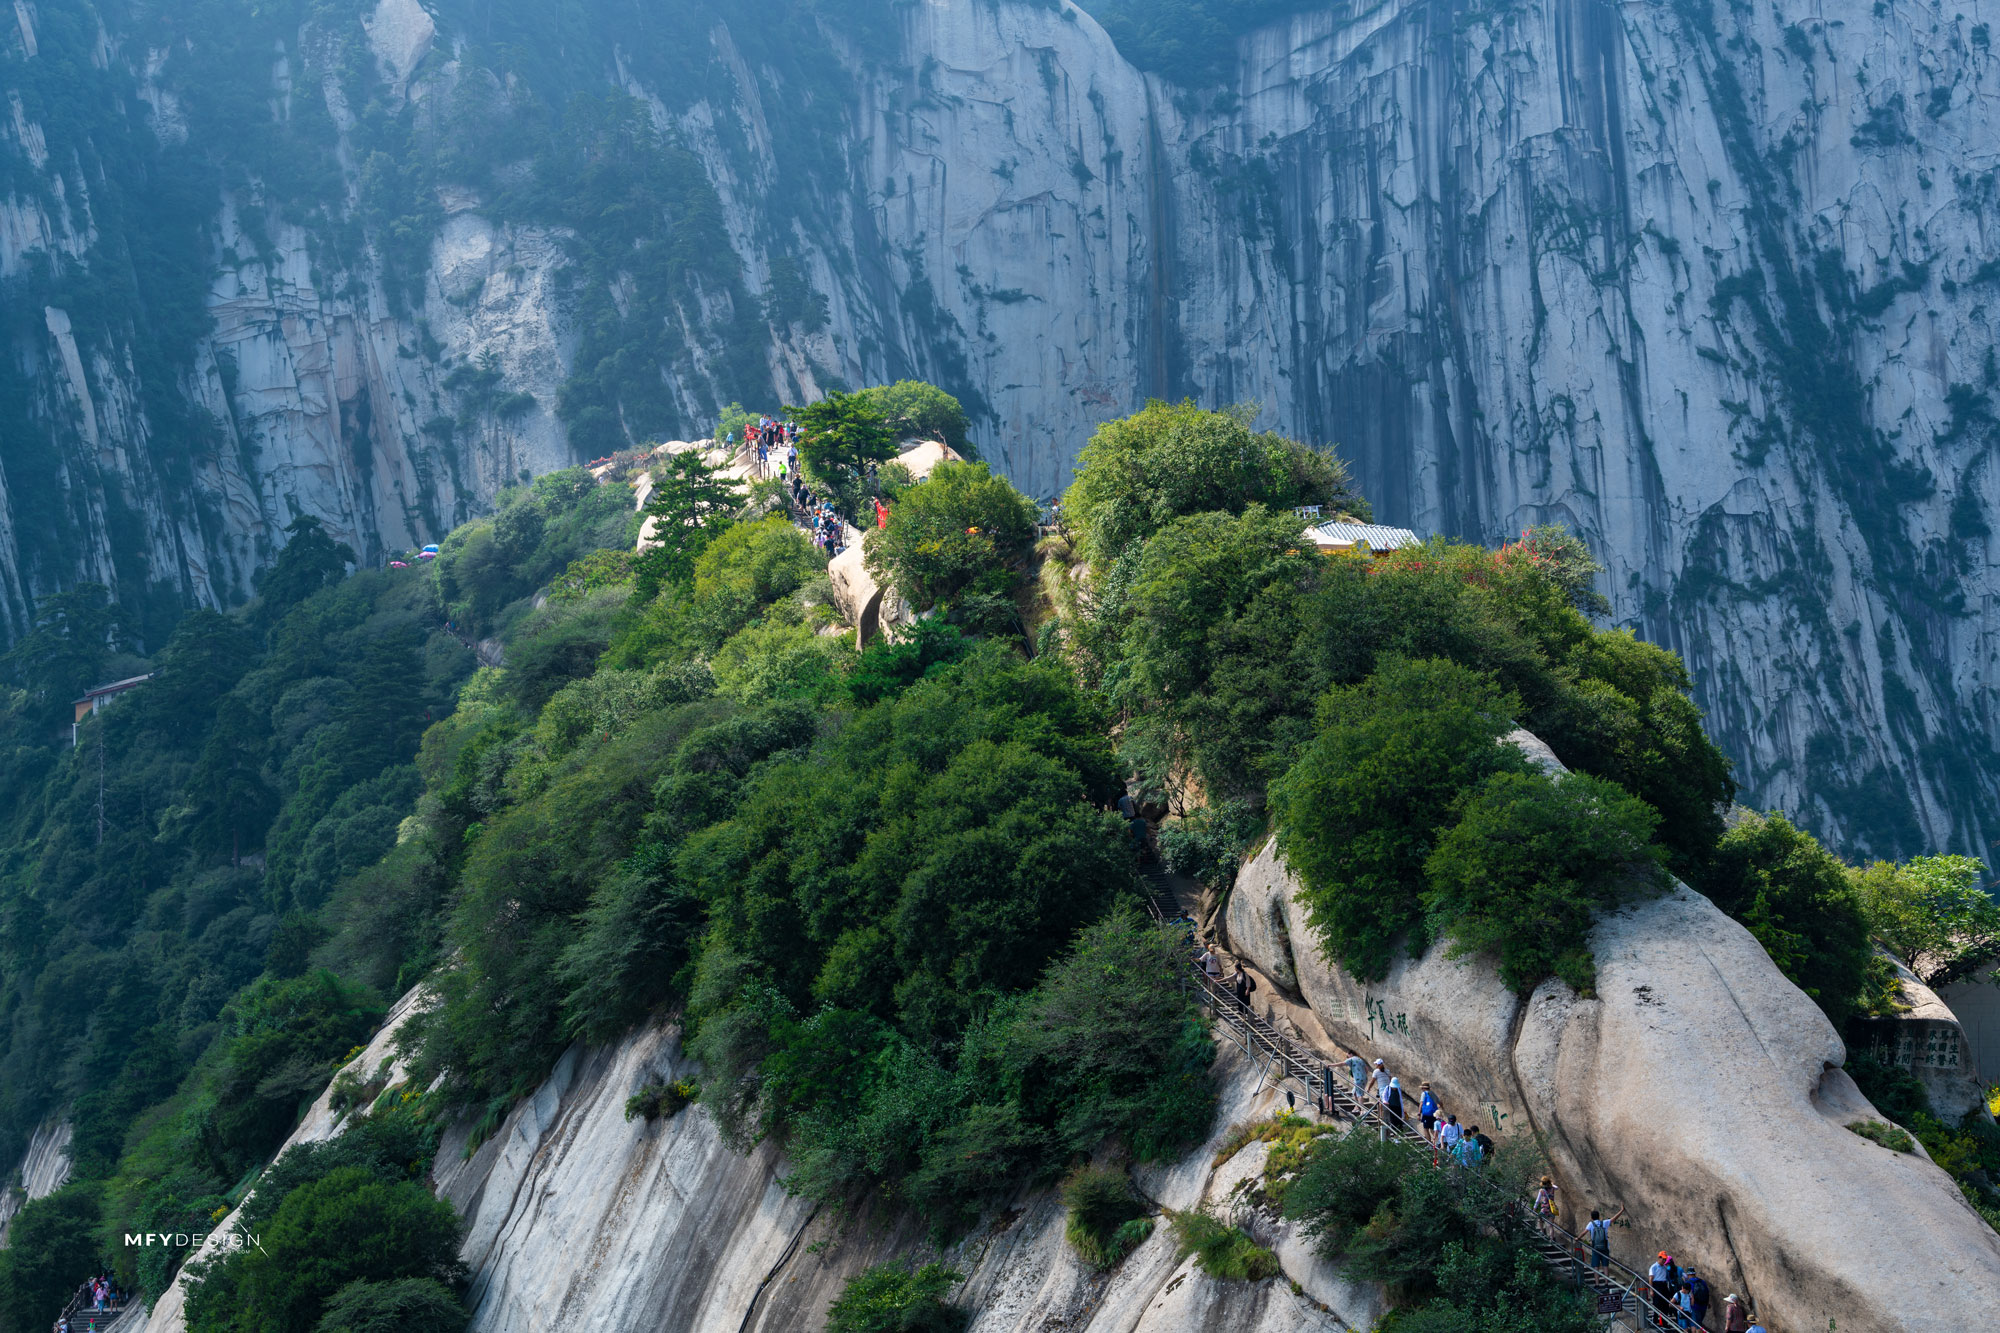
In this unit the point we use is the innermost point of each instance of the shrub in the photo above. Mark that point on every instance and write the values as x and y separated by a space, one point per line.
1208 844
348 1226
1109 1043
891 1298
1529 863
1878 1131
960 523
1101 1201
656 1101
915 409
1220 1250
1494 1284
401 1306
1361 809
1343 1182
1799 902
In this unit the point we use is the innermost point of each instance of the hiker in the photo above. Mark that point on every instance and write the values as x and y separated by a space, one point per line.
1427 1112
1545 1199
1485 1146
1378 1077
1449 1133
1244 984
1684 1305
1661 1276
1211 965
1598 1233
1698 1293
1735 1319
1357 1069
1468 1150
1392 1105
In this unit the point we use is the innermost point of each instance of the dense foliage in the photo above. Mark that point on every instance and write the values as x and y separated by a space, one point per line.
896 1298
884 887
916 410
1934 913
1460 1259
964 531
1530 861
1798 900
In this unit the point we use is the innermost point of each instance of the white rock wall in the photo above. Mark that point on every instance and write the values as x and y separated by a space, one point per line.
1618 266
44 1169
1698 1089
580 1219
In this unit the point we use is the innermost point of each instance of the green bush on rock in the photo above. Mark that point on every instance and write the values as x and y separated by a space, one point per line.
894 1298
1527 866
1102 1206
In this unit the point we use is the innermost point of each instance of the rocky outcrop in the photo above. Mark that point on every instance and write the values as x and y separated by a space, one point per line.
44 1169
321 1122
1706 282
1697 1088
578 1218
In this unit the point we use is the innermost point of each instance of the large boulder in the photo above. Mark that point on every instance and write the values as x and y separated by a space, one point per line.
1698 1088
1256 925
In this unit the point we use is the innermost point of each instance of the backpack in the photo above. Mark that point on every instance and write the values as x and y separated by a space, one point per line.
1599 1231
1700 1287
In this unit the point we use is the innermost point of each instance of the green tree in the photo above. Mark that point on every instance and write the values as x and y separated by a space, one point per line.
1529 863
691 504
310 560
1109 1043
1139 473
734 421
894 1298
400 1306
1935 913
52 1246
841 435
73 635
914 409
1799 901
962 522
1569 564
1210 651
348 1226
1361 809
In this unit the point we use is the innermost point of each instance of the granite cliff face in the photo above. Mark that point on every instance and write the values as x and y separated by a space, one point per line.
577 1217
1710 283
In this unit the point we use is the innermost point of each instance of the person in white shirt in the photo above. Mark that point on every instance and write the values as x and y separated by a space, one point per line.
1598 1233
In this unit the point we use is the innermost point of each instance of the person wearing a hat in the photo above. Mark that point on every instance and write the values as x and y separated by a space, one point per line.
1698 1293
1735 1319
1661 1276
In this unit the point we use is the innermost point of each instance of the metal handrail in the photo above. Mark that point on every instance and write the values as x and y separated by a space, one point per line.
1624 1296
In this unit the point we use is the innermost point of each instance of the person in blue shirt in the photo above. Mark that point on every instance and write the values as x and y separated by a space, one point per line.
1427 1111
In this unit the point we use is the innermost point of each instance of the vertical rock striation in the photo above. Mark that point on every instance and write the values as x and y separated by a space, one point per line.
1708 282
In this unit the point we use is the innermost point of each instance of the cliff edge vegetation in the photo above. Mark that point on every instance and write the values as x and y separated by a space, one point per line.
886 890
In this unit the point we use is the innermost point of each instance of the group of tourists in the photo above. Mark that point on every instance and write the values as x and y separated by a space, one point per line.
819 519
1679 1297
767 437
97 1303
